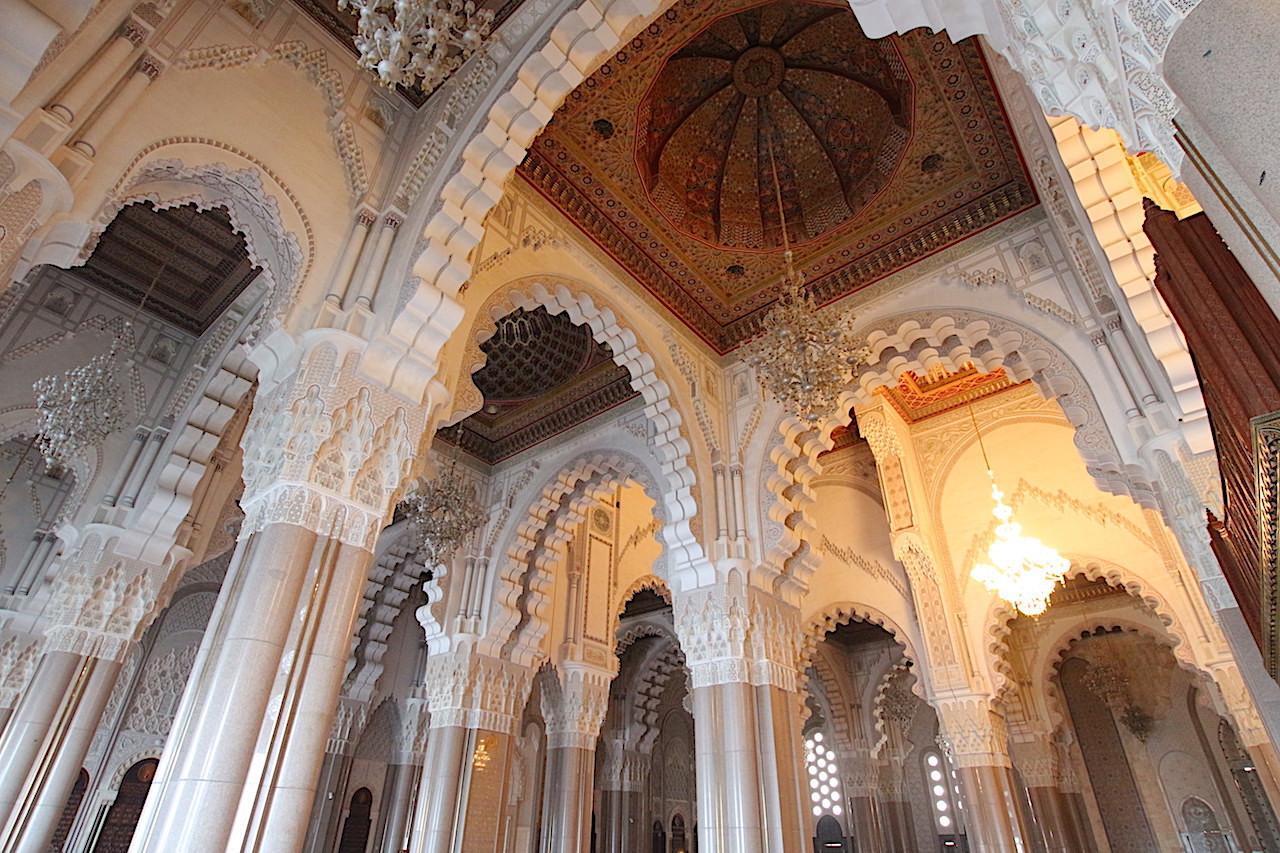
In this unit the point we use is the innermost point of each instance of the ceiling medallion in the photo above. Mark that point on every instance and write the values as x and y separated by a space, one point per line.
410 40
443 512
1021 570
803 360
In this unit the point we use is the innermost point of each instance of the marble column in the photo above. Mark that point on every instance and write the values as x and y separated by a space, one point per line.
980 756
440 795
90 140
471 698
574 714
212 742
29 725
401 782
1055 822
326 811
98 72
373 272
350 255
35 816
741 648
570 785
281 785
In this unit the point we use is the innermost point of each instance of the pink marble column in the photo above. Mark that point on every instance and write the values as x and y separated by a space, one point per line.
281 785
1055 824
443 772
34 817
21 743
993 820
215 732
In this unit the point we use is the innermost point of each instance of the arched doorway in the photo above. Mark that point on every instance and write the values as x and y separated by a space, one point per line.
679 842
829 836
659 838
355 829
122 819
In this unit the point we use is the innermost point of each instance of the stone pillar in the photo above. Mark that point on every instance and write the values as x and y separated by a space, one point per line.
373 272
470 697
1055 824
35 816
281 785
865 818
439 797
350 254
146 70
574 715
35 713
622 791
402 780
324 458
897 828
977 741
99 71
99 606
741 646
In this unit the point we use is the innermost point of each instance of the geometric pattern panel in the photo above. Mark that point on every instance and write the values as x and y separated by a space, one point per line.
542 375
884 152
188 264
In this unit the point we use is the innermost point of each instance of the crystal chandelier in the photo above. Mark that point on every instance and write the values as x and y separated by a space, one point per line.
82 406
443 512
803 360
409 40
1020 569
78 408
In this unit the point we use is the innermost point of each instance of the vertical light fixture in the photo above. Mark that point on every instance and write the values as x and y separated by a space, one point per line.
1020 569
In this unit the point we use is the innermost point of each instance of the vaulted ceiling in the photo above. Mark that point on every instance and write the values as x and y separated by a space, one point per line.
190 265
542 375
885 151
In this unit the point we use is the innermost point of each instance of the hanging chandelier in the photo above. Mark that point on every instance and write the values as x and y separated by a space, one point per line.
78 408
443 512
803 360
410 40
1020 569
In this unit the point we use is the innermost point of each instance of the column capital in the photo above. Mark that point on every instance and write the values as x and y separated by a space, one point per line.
149 65
133 31
102 601
624 768
366 217
348 723
731 633
1038 761
411 740
19 655
470 690
1250 729
973 734
574 706
325 449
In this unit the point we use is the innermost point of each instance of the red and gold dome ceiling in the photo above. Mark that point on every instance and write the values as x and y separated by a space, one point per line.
885 152
787 89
